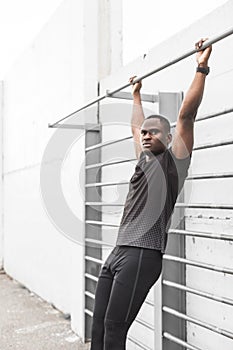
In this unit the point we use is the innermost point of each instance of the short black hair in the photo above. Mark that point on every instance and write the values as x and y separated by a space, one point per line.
163 120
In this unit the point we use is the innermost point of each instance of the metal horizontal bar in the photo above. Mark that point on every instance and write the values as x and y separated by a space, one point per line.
176 60
212 145
217 114
101 223
91 277
98 165
128 96
91 103
156 70
180 341
198 292
90 258
103 204
209 326
149 99
223 237
149 302
144 324
88 312
207 116
87 126
180 260
138 343
90 295
209 176
177 205
107 143
68 126
172 125
198 264
187 54
98 242
204 206
98 184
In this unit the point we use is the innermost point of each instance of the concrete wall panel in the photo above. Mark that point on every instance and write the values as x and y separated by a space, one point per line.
45 84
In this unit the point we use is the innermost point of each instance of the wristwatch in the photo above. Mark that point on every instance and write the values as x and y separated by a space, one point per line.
204 70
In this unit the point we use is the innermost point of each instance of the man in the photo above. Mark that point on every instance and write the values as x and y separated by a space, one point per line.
135 263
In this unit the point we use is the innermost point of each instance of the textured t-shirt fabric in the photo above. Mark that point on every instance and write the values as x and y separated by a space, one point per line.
153 190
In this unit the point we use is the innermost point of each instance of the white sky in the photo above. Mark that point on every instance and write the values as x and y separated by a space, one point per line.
145 23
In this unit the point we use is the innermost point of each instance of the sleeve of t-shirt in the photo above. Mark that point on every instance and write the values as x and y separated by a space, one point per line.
182 166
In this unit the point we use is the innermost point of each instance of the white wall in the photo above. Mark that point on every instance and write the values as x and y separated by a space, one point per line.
1 171
217 97
54 76
45 83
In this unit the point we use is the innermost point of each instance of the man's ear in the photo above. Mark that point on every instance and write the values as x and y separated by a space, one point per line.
169 138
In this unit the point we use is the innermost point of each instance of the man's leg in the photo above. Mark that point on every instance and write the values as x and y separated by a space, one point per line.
136 270
102 294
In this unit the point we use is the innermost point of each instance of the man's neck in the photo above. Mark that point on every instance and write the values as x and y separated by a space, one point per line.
152 155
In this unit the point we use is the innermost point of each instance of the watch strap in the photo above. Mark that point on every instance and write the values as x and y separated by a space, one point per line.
204 70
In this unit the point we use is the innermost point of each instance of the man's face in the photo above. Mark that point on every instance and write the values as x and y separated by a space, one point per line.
154 137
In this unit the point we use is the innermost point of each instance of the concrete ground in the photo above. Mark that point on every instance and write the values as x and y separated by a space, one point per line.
27 322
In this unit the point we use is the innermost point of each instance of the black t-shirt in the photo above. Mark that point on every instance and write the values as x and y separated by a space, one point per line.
153 191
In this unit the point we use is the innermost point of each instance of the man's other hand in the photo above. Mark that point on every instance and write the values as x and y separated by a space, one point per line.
136 87
203 55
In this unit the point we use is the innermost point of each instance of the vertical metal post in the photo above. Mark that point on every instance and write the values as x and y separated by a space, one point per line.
169 105
158 345
93 136
172 297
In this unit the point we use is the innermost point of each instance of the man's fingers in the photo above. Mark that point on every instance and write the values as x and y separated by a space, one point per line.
131 79
199 44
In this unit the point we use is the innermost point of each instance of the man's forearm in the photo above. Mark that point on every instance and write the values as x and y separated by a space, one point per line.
195 93
137 112
193 97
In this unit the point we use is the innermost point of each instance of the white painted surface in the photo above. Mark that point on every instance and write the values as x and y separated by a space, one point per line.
45 84
1 178
19 27
158 21
54 76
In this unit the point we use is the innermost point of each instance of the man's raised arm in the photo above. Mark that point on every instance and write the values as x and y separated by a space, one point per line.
183 139
138 117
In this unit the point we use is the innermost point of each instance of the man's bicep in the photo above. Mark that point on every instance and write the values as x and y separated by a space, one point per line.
182 144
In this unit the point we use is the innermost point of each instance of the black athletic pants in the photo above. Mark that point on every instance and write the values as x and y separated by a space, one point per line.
124 282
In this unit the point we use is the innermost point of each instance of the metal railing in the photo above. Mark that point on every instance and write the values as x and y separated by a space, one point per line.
200 323
180 341
154 71
185 233
177 259
194 263
198 292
